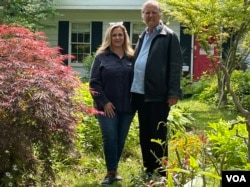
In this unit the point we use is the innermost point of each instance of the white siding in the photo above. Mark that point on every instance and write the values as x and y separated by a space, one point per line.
52 34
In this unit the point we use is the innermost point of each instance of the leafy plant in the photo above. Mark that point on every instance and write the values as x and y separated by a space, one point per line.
188 163
241 86
89 135
227 144
87 62
179 120
187 86
38 112
30 14
201 156
198 157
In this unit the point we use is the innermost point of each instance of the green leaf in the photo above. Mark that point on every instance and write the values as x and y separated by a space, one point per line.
170 180
209 175
193 163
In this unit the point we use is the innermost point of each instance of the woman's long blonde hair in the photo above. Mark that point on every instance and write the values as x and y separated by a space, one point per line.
108 37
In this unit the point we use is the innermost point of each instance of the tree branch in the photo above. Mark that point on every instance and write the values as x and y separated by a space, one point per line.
237 103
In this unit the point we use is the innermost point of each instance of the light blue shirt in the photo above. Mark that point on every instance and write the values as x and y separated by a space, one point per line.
140 63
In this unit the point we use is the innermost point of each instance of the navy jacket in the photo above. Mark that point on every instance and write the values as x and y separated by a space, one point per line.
110 80
163 67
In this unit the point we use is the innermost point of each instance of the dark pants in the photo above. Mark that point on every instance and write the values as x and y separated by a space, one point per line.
150 114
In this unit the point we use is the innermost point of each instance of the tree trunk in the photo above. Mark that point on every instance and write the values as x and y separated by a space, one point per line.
238 105
222 102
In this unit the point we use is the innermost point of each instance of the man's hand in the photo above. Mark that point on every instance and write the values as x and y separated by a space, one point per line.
172 101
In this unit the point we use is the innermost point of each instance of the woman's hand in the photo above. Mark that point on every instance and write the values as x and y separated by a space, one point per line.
109 110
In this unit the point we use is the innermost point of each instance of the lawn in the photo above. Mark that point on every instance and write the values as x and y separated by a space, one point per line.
204 113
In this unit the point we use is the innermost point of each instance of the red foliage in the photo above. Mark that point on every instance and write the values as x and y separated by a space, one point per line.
36 98
203 138
33 75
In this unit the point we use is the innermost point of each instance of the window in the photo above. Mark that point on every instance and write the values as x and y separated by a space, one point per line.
136 31
80 45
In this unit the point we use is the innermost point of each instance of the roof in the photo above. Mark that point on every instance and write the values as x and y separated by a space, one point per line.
99 4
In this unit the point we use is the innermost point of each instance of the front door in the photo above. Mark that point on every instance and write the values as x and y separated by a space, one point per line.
201 63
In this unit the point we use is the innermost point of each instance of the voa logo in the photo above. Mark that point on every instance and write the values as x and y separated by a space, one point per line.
236 178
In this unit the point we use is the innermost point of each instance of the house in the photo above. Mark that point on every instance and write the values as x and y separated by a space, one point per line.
80 29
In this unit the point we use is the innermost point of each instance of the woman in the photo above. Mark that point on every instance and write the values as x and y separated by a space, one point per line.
110 82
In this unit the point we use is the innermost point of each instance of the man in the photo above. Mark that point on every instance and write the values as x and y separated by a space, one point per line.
156 84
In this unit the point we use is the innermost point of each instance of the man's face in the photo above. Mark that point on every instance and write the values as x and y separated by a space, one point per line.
151 16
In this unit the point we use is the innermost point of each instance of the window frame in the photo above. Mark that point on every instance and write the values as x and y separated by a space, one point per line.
72 62
138 33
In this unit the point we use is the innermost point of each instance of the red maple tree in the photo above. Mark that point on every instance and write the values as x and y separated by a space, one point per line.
38 112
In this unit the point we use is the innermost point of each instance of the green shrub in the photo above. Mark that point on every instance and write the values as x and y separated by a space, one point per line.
241 86
187 86
179 120
210 93
89 135
87 62
228 147
204 154
205 89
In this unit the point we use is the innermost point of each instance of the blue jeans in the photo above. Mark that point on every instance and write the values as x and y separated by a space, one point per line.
114 132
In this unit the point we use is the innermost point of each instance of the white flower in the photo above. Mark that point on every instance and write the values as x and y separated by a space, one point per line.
10 184
8 174
15 167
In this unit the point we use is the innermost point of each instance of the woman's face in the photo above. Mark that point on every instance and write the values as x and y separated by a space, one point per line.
117 37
